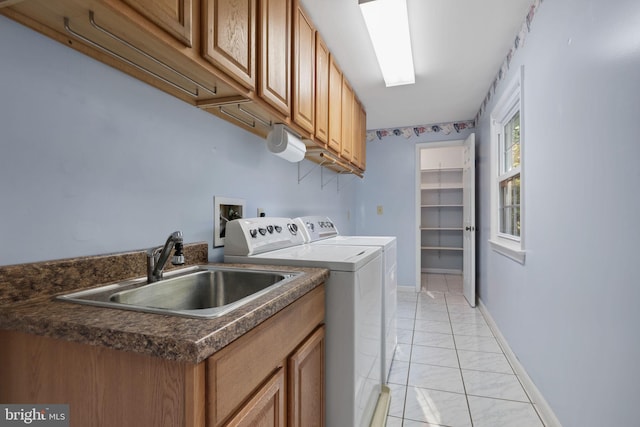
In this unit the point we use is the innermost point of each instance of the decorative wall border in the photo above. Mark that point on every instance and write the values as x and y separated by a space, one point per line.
518 42
410 131
447 128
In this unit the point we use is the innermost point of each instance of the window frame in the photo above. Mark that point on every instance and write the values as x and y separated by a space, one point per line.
508 105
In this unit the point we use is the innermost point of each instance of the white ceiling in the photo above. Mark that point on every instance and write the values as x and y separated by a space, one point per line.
458 48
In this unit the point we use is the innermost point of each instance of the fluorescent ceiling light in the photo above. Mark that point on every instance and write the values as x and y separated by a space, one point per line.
388 25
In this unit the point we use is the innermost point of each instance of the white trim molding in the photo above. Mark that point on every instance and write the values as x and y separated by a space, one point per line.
537 399
510 251
511 100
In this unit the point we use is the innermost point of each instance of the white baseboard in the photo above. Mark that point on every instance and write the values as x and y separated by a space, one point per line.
440 271
539 402
402 288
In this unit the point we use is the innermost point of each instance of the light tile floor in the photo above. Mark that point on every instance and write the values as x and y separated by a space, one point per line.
448 369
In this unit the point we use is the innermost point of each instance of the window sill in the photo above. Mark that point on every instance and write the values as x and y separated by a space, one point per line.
510 251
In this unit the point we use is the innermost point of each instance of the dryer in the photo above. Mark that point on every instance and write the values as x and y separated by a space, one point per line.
353 308
320 230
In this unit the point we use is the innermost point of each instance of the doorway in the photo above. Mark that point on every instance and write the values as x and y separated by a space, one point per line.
445 211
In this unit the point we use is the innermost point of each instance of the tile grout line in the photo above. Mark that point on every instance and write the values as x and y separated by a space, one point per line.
448 295
515 372
413 333
455 345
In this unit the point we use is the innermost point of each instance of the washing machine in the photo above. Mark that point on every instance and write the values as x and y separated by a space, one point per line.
320 230
353 308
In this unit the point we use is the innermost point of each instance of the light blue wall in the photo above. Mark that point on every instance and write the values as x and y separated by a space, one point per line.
390 181
570 313
93 161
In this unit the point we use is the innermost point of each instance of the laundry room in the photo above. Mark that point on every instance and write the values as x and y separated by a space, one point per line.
128 144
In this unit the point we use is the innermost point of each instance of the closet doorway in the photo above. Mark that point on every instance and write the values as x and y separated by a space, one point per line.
445 211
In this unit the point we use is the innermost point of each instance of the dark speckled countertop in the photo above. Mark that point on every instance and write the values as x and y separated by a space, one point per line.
27 305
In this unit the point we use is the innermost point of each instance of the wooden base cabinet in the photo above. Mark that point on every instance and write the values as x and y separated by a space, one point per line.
237 374
103 387
266 408
306 383
271 376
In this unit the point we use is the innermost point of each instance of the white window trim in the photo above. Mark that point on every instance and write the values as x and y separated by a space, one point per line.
513 96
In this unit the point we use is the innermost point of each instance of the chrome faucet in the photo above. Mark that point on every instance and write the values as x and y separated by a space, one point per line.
157 257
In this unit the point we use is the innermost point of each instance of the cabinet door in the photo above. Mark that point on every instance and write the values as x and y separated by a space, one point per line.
230 38
322 90
347 121
275 54
306 383
304 57
356 142
173 16
335 106
266 408
363 138
359 135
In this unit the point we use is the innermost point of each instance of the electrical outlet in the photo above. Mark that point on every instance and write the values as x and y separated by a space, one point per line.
379 210
260 212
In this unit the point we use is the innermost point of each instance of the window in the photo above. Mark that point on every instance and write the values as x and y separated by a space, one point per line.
506 192
509 177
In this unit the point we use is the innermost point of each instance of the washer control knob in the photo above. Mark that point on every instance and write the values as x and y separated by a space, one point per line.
293 229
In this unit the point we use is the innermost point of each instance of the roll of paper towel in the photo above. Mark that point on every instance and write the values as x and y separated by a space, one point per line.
284 144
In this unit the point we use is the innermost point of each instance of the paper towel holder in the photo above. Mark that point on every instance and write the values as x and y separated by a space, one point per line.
285 143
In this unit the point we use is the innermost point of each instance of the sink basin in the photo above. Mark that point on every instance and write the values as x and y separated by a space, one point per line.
201 291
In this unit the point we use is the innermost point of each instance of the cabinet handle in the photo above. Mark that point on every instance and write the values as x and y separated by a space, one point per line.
141 52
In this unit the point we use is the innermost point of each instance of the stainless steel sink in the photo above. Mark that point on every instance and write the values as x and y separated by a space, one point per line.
200 291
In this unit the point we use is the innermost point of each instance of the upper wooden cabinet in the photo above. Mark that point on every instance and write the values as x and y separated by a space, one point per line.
335 106
230 37
356 144
250 62
174 16
359 130
249 38
346 149
274 85
304 61
322 91
136 37
363 138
